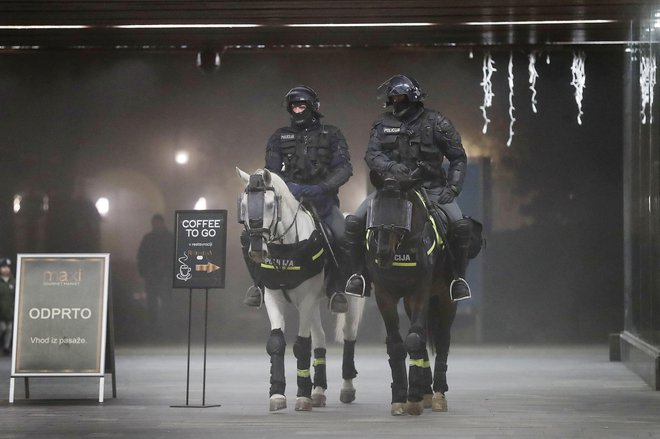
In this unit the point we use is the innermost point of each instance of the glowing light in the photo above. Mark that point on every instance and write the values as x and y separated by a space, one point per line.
200 204
533 76
647 79
579 81
182 157
17 203
512 119
540 22
360 24
487 69
44 26
186 26
103 206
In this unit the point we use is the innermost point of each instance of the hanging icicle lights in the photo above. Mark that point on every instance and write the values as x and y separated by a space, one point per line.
511 107
488 69
579 81
647 70
533 76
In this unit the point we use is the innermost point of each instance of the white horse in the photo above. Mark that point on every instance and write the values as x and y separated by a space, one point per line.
285 244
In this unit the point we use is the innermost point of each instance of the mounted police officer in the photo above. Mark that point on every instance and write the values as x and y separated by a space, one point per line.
313 160
402 140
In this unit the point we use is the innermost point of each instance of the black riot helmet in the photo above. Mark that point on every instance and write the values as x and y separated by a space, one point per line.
401 85
303 93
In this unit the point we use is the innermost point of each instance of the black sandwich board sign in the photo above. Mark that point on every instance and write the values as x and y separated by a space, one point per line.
60 317
200 249
200 262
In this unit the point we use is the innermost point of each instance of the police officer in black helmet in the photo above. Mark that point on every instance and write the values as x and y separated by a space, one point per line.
408 137
313 160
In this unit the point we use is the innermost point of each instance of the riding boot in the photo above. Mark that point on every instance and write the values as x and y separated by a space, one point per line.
254 297
352 249
460 244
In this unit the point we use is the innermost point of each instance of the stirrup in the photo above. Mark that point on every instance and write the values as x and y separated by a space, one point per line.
249 299
335 299
348 282
451 290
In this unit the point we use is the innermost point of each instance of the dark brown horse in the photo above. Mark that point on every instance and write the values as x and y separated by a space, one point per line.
406 259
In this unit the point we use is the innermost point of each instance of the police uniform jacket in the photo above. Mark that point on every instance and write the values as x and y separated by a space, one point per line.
427 136
312 155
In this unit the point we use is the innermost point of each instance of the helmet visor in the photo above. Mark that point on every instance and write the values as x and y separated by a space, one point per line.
396 85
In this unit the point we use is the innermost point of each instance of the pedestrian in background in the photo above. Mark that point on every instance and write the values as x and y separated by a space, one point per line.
7 292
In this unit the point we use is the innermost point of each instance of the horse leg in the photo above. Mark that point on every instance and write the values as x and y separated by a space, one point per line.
308 310
348 372
442 314
276 347
428 381
302 350
396 351
419 366
350 329
320 383
426 370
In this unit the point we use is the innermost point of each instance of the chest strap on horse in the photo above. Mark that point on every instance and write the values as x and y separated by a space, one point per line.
290 264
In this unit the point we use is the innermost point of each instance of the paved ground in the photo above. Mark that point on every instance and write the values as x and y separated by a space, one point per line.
495 392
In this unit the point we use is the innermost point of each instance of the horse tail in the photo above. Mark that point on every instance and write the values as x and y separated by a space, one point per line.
431 323
347 324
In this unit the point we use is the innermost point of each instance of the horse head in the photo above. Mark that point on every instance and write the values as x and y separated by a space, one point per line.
389 218
260 209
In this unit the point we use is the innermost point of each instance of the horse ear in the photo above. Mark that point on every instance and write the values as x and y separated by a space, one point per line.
268 178
244 176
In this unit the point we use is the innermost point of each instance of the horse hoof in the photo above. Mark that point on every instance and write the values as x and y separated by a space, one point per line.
318 398
415 408
439 403
347 395
428 401
398 409
303 404
277 402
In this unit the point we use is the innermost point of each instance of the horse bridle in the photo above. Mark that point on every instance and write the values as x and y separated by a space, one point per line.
255 193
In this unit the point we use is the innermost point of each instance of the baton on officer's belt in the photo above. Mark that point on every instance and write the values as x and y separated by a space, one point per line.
317 218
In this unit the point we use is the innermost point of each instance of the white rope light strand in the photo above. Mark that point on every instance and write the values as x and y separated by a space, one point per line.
533 76
579 81
647 71
511 107
487 69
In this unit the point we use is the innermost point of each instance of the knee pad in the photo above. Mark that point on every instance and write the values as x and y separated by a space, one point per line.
396 350
276 343
415 341
302 348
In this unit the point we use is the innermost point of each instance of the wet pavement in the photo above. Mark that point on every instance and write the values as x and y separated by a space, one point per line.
495 392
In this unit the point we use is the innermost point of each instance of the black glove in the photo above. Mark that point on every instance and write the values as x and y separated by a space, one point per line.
446 195
400 172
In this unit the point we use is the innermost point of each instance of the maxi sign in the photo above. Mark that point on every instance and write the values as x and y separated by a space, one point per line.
60 315
200 250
